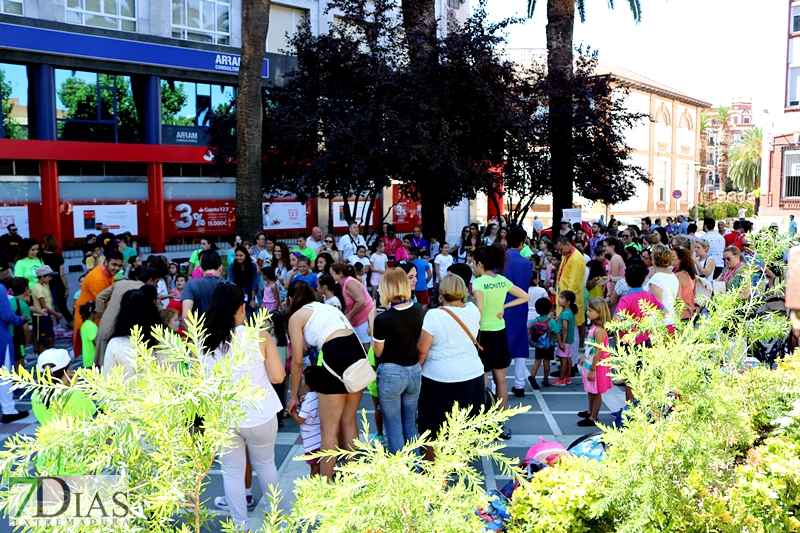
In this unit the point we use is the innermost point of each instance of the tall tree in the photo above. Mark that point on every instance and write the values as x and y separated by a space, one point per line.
560 28
745 157
250 116
722 118
704 127
9 127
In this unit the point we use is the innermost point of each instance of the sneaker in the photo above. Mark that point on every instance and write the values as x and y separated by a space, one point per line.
587 423
545 383
506 434
532 381
584 414
558 383
376 437
519 393
221 502
568 381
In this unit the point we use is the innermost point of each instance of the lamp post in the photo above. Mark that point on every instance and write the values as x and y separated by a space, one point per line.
697 166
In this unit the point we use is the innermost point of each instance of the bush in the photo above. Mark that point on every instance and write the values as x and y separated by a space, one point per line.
718 211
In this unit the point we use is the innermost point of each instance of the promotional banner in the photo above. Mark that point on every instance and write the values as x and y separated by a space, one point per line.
195 217
574 215
16 215
406 213
283 215
359 212
119 218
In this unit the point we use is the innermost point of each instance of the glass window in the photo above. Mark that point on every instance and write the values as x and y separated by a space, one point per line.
96 107
791 174
109 14
283 23
191 104
11 7
206 21
13 101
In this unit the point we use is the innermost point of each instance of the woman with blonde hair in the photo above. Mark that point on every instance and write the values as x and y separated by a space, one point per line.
662 282
705 265
452 371
395 333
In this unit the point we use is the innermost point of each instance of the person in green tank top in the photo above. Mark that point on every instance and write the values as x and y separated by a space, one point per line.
490 289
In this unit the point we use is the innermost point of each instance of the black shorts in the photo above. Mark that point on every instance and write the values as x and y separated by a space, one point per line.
496 354
43 328
339 354
543 354
436 399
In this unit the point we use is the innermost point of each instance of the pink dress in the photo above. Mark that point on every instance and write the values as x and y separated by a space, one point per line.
269 302
602 376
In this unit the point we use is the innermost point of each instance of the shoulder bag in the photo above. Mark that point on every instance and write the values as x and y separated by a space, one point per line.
357 376
466 330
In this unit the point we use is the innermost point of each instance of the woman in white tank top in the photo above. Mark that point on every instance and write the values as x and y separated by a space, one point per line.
325 327
258 432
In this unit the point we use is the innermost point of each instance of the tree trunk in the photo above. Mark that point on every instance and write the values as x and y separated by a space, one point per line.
560 26
249 118
433 217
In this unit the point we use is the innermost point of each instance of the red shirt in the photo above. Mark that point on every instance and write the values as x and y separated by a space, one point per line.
631 305
734 238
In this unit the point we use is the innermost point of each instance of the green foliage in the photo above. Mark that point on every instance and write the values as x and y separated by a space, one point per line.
723 210
144 428
11 128
81 101
379 491
173 98
684 461
746 160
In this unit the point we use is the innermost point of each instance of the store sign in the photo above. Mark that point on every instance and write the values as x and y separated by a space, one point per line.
406 212
16 215
283 215
359 213
87 46
184 135
119 218
195 217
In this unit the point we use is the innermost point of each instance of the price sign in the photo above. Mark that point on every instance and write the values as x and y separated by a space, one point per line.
201 216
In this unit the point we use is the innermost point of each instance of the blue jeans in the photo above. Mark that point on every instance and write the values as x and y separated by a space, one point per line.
398 392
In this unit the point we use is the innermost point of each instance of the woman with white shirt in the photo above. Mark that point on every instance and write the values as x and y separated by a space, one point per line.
452 370
704 264
258 432
136 309
662 282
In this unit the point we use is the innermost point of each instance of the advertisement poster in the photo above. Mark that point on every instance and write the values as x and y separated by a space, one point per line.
195 217
17 215
406 212
574 215
119 218
283 215
360 214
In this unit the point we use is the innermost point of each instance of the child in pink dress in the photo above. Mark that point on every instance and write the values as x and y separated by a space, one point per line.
596 377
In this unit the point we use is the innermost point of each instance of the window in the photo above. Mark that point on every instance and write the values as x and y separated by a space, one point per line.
686 121
205 21
283 23
109 14
96 107
13 101
746 120
660 180
795 23
191 104
455 4
791 174
11 7
662 194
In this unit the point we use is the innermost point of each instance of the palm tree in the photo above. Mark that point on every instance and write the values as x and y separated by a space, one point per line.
723 115
745 157
249 117
705 127
560 28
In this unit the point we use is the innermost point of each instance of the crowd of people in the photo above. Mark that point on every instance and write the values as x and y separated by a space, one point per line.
441 322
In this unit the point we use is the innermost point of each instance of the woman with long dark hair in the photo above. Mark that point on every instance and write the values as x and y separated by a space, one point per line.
323 326
58 285
683 267
138 308
323 263
258 432
28 261
243 274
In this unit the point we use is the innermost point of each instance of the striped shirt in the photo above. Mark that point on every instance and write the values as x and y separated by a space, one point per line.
310 429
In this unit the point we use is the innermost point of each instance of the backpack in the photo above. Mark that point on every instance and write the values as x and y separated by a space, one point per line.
540 336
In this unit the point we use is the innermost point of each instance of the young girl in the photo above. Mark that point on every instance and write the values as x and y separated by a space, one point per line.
88 332
330 291
596 279
271 292
566 338
170 319
490 290
377 265
596 377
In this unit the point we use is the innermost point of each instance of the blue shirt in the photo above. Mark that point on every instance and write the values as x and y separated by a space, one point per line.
422 278
792 228
311 279
519 271
683 228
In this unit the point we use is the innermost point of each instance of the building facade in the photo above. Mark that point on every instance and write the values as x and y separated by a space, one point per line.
106 110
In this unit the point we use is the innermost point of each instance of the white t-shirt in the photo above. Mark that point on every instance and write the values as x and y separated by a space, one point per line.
334 301
452 357
349 244
119 352
377 261
716 246
310 430
670 287
443 262
535 293
314 245
353 259
161 289
742 212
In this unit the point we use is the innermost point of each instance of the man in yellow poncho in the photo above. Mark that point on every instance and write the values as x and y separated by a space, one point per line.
571 276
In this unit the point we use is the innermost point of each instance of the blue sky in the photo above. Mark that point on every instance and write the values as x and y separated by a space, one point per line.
715 50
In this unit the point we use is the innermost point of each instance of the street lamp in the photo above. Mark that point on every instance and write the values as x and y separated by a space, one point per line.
697 166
